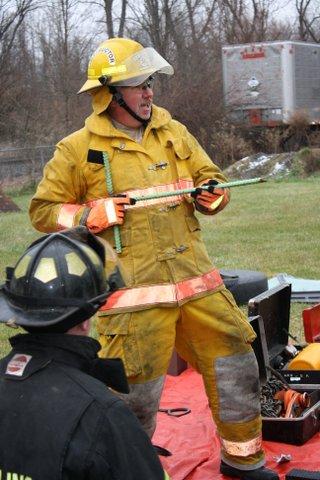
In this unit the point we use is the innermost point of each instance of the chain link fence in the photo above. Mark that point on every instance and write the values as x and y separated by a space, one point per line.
24 164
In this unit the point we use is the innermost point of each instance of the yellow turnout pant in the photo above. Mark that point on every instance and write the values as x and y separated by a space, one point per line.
212 335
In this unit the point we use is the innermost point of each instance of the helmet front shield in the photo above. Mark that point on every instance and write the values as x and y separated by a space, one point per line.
139 67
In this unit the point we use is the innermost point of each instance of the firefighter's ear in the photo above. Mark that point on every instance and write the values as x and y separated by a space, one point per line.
80 329
85 326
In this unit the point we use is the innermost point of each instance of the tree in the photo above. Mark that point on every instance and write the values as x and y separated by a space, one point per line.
245 21
44 58
64 53
17 68
308 20
12 17
114 15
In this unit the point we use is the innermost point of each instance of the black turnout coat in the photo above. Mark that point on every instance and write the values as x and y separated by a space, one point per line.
59 422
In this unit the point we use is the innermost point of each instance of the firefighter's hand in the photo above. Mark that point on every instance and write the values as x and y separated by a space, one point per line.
106 214
211 198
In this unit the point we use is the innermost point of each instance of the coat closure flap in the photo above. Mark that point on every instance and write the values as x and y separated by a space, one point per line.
126 144
181 148
180 145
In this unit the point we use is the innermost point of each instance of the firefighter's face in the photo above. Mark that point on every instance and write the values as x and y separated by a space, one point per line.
139 99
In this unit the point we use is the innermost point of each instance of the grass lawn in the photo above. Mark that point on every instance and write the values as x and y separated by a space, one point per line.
272 227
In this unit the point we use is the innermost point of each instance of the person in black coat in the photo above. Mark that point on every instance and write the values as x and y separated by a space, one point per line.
58 420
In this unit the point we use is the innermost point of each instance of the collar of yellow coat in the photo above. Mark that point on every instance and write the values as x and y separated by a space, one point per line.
101 124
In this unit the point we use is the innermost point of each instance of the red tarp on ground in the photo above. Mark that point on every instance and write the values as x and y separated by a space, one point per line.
193 441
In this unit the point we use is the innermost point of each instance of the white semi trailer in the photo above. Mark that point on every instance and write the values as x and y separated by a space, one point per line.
267 83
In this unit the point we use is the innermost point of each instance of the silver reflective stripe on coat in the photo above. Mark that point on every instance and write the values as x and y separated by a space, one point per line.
144 400
237 378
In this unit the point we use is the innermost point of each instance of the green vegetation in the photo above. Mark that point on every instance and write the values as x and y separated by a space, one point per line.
16 233
272 227
306 162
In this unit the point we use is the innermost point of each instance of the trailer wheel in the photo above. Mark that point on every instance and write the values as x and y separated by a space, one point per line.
244 284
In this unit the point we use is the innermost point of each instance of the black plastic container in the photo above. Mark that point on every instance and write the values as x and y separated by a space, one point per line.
295 431
274 308
269 315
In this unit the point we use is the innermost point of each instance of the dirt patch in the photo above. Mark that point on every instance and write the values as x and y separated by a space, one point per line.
6 204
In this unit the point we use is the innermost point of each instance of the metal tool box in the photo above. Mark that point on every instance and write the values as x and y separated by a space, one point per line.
269 315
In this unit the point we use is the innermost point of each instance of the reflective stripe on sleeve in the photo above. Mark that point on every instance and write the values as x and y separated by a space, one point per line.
68 211
67 214
168 187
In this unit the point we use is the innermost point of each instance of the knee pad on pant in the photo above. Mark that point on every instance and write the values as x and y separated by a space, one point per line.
143 400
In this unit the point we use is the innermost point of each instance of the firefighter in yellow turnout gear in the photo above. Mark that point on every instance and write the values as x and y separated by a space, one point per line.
174 296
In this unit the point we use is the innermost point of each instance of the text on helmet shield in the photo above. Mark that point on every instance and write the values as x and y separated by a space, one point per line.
142 61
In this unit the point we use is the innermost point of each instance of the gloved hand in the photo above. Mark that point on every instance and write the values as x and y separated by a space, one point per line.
209 200
107 213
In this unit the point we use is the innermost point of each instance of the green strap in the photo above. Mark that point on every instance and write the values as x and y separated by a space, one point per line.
116 228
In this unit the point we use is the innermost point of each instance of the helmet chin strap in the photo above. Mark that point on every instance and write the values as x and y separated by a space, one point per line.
117 96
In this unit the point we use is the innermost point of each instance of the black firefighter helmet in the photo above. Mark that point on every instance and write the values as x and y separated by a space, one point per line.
59 282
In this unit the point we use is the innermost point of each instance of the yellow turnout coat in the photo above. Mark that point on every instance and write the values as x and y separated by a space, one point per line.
163 254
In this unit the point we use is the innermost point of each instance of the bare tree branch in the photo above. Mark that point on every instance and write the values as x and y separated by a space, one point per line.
308 20
114 15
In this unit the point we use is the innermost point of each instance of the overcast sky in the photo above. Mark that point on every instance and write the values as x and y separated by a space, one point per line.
287 9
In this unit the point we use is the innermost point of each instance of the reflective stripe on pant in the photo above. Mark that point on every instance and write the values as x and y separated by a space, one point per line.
213 336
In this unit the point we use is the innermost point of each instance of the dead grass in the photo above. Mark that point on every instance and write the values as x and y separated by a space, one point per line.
307 161
229 145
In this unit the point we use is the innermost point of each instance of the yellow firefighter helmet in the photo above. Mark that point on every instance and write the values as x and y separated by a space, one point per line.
123 62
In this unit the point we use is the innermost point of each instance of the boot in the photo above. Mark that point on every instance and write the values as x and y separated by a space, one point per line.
261 473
